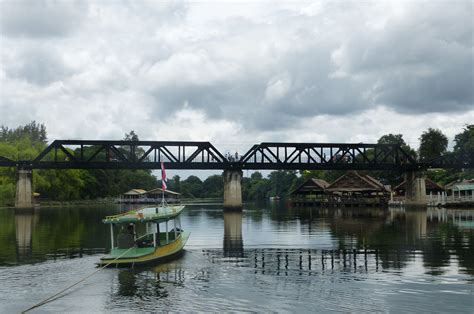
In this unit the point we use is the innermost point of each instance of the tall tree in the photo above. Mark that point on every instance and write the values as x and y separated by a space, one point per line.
464 142
433 144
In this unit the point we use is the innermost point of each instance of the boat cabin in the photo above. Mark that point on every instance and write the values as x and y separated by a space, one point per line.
144 230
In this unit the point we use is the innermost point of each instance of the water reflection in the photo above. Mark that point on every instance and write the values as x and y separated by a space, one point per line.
233 243
25 222
340 254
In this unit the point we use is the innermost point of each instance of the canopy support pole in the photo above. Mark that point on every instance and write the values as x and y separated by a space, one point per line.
112 235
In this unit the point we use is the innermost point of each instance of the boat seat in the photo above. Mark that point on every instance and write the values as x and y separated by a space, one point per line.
125 241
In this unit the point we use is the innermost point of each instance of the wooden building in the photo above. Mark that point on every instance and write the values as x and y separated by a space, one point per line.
354 189
432 188
310 189
132 196
151 196
156 195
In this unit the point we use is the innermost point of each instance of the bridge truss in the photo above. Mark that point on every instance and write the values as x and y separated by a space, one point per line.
85 154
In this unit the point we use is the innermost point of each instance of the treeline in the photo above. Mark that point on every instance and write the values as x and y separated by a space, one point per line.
255 187
26 142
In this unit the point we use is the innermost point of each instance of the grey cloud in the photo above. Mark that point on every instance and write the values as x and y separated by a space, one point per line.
419 63
41 18
41 66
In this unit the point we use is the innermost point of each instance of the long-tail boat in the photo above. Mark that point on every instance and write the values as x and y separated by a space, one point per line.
144 236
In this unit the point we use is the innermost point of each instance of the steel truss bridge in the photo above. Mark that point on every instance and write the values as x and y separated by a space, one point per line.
94 154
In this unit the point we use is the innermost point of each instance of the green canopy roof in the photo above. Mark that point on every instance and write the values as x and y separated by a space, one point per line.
146 214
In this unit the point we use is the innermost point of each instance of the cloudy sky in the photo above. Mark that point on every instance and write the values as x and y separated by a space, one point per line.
240 73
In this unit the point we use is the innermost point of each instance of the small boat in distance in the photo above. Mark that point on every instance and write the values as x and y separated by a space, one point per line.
143 236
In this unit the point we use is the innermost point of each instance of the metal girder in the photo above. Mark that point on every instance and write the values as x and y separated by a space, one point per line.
5 162
327 156
84 154
81 154
450 161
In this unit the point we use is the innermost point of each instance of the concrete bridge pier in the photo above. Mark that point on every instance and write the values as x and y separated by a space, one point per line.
24 189
233 189
415 194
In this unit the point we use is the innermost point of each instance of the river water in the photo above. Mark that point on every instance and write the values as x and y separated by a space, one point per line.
266 258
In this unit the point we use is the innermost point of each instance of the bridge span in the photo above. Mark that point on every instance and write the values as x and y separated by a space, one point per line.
97 154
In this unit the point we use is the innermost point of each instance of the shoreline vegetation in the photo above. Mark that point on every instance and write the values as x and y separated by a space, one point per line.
78 186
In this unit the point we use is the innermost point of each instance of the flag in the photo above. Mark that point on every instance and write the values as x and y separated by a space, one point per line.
163 176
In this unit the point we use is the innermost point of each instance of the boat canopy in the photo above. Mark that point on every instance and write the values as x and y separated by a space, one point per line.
146 214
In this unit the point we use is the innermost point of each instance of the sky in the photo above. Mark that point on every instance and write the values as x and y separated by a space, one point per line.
238 73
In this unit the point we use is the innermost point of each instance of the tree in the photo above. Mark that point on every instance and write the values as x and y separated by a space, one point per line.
433 144
33 131
464 142
213 186
131 136
191 187
174 184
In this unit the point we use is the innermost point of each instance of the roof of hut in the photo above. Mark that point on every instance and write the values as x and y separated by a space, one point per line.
352 181
430 186
311 185
134 192
461 185
160 190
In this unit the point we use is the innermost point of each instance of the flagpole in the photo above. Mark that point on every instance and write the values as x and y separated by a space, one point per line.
163 185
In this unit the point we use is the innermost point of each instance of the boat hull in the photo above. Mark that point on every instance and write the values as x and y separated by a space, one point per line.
135 256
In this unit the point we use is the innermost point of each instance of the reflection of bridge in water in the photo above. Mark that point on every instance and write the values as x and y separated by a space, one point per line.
302 261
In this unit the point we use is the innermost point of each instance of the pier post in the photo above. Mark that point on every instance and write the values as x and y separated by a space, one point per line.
232 189
415 193
24 189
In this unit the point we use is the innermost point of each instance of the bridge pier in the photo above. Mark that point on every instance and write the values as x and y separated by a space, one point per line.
24 189
415 193
233 189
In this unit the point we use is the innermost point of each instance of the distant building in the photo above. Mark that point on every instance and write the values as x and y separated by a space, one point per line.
461 190
359 189
311 188
132 196
151 196
351 189
432 188
156 195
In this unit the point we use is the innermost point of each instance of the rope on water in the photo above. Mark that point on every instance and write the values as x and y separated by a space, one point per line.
53 297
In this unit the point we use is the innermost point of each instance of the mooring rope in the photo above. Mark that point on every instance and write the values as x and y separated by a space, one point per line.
53 297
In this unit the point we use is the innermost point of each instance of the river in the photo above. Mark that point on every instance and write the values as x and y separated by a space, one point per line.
265 258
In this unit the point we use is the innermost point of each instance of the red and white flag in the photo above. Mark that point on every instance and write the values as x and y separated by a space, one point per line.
163 177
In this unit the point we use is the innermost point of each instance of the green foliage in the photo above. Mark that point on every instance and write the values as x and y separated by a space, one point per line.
256 187
433 144
213 186
464 142
191 187
33 131
174 184
397 139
